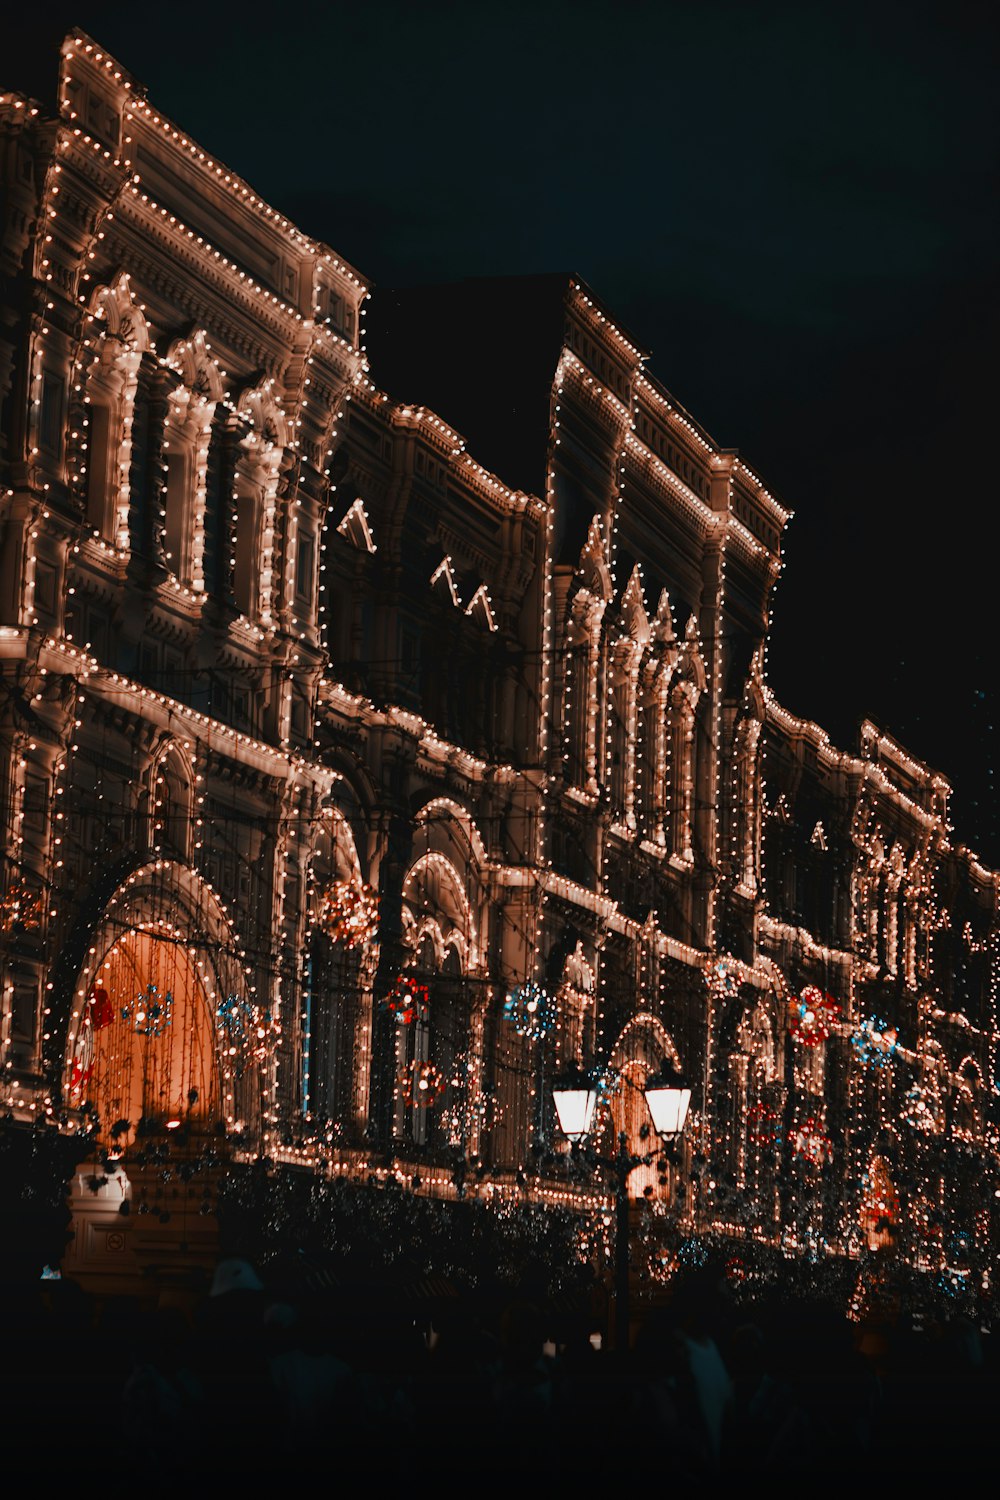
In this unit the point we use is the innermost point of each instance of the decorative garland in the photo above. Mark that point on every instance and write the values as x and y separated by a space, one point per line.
21 909
233 1019
265 1034
246 1028
531 1010
917 1112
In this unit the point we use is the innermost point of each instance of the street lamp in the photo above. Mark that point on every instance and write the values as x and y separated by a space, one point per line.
668 1097
575 1098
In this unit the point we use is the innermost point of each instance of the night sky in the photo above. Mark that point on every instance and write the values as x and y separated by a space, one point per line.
794 207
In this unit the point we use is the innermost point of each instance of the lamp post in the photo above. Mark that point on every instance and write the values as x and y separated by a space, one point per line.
668 1097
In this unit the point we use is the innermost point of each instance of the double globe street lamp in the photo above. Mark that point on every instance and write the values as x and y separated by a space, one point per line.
668 1097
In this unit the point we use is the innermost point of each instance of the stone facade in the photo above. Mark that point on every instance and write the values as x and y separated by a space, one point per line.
328 729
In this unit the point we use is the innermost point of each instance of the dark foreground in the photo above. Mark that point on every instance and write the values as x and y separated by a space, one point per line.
261 1385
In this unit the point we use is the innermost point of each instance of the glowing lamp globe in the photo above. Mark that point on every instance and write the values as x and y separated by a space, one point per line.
575 1099
668 1097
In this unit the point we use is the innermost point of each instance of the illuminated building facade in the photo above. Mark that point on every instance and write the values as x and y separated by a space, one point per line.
361 772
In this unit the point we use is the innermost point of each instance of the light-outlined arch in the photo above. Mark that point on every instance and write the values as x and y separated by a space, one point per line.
642 1046
170 798
447 840
164 923
436 903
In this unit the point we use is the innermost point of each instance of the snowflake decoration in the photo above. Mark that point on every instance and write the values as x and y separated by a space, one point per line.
149 1013
530 1009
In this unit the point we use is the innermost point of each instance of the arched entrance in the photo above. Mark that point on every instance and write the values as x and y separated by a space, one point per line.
167 1058
145 1053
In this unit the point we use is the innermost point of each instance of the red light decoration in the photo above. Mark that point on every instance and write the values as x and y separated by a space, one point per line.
813 1016
811 1143
406 999
763 1125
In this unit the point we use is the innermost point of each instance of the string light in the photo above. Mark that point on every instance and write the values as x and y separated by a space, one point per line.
219 495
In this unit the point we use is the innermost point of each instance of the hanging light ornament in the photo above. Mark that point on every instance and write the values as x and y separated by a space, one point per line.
874 1042
348 913
233 1021
265 1034
149 1013
918 1113
246 1029
530 1009
763 1125
20 908
811 1143
813 1016
406 999
423 1085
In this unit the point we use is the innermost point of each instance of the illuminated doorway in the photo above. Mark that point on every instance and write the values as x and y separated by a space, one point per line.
145 1049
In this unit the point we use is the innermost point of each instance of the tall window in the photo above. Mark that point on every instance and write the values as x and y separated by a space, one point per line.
432 1052
682 770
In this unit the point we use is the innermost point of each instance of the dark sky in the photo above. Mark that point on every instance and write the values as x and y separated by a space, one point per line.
794 206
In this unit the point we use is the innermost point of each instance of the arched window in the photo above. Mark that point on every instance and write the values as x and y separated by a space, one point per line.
104 454
582 689
756 1111
433 1049
191 411
171 806
747 810
333 983
255 583
626 656
682 770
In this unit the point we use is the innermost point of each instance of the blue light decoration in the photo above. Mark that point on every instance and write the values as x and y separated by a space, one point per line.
952 1283
530 1009
608 1085
692 1253
233 1020
875 1042
149 1012
245 1029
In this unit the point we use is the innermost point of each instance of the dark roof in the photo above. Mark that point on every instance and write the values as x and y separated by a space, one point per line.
481 354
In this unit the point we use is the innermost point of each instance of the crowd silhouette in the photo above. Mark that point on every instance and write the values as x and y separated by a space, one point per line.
267 1382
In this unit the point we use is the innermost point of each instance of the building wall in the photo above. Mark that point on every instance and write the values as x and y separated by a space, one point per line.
316 725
